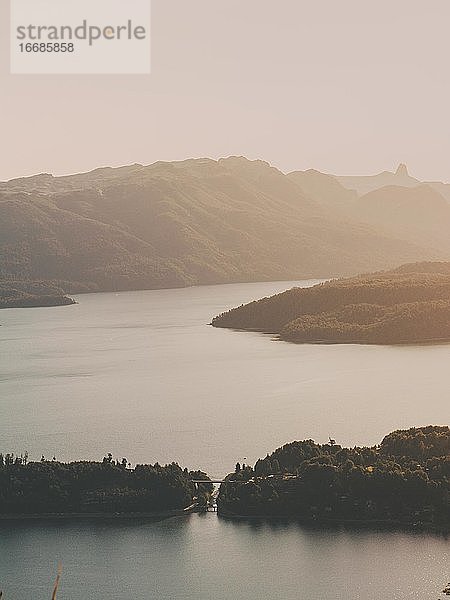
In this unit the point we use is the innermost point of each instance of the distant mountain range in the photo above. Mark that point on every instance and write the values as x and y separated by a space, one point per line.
368 183
393 203
400 178
203 221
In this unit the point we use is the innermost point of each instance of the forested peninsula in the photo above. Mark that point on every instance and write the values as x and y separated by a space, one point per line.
109 487
410 304
403 481
32 294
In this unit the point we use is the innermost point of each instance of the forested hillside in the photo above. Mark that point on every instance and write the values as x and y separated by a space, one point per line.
412 322
404 481
409 304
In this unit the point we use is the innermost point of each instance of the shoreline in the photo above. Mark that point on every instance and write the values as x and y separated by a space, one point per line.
70 295
351 523
99 516
40 302
277 337
368 524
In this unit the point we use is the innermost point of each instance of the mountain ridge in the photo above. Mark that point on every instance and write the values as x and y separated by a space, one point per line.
192 222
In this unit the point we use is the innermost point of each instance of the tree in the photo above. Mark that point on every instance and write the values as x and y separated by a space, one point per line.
275 466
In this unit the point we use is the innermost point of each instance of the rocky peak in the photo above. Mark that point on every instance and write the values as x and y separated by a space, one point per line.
402 170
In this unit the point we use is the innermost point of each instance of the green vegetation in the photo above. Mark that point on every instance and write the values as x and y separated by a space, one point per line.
408 305
403 481
49 487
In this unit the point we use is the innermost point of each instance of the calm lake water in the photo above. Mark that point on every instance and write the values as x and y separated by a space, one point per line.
142 375
202 557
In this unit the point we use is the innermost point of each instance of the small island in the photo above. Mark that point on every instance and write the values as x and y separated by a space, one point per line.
408 305
405 481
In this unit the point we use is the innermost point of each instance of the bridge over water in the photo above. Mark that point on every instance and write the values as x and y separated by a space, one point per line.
215 481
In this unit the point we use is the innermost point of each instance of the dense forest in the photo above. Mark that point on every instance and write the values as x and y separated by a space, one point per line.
404 480
110 486
413 322
409 304
194 222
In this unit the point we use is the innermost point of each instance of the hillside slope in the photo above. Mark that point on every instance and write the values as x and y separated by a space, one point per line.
325 189
192 222
404 323
418 214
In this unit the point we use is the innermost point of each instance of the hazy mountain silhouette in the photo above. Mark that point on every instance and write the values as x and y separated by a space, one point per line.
325 189
418 214
442 188
392 202
364 184
192 222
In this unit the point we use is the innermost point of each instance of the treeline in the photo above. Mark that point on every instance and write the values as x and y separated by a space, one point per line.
420 443
381 307
109 486
405 480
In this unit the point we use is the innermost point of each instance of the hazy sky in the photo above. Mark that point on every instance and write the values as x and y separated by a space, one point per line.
344 86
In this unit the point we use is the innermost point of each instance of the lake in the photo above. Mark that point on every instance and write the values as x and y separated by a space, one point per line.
142 375
203 557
